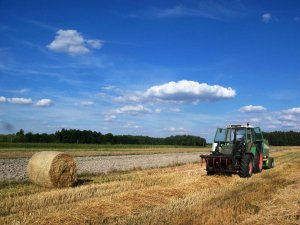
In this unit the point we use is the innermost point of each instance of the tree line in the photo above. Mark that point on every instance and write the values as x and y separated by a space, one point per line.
93 137
275 138
283 138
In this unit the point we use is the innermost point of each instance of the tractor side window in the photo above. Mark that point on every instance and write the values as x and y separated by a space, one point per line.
257 133
220 135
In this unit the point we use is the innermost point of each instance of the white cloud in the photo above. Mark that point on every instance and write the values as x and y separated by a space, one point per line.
293 110
44 102
207 10
157 110
19 100
108 88
24 90
180 130
2 99
112 89
188 91
131 125
94 43
130 98
255 120
133 109
85 103
40 103
183 91
175 109
252 108
288 119
109 118
266 17
73 43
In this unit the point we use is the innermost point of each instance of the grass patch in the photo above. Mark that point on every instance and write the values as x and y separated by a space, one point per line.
6 145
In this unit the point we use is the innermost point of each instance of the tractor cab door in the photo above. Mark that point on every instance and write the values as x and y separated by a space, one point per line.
220 137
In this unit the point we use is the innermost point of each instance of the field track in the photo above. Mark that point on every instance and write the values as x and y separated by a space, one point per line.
14 169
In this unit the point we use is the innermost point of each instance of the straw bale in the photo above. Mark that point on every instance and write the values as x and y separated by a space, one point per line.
52 169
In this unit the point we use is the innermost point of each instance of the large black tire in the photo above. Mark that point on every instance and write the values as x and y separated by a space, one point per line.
246 168
258 163
210 173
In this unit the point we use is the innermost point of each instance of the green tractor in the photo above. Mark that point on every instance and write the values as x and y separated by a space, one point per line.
238 149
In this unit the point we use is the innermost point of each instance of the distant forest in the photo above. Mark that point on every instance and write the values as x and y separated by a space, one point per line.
276 138
281 138
93 137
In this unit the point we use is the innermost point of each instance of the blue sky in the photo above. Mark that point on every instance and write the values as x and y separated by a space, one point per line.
154 68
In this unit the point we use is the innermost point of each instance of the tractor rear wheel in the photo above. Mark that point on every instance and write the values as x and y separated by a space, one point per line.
246 168
258 163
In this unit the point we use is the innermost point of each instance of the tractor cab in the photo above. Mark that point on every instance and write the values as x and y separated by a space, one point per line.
239 138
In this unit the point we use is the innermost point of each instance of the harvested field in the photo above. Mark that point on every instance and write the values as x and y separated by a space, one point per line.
174 195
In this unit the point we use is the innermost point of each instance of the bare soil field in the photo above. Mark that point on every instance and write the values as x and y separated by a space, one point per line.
179 194
14 169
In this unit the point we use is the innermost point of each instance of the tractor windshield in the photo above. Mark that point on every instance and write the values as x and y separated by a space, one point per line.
230 134
235 134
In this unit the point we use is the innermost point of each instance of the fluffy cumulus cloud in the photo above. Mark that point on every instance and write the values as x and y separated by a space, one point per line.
265 18
19 100
133 109
293 110
73 43
2 99
26 101
183 91
44 102
252 108
189 91
287 119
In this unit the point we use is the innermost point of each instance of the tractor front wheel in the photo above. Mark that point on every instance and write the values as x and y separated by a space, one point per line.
258 163
246 169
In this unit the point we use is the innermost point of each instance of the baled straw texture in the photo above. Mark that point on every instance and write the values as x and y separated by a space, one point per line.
52 169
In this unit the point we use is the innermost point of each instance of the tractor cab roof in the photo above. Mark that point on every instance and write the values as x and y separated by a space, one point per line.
239 126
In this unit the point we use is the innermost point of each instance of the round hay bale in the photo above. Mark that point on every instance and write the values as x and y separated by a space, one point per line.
52 169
